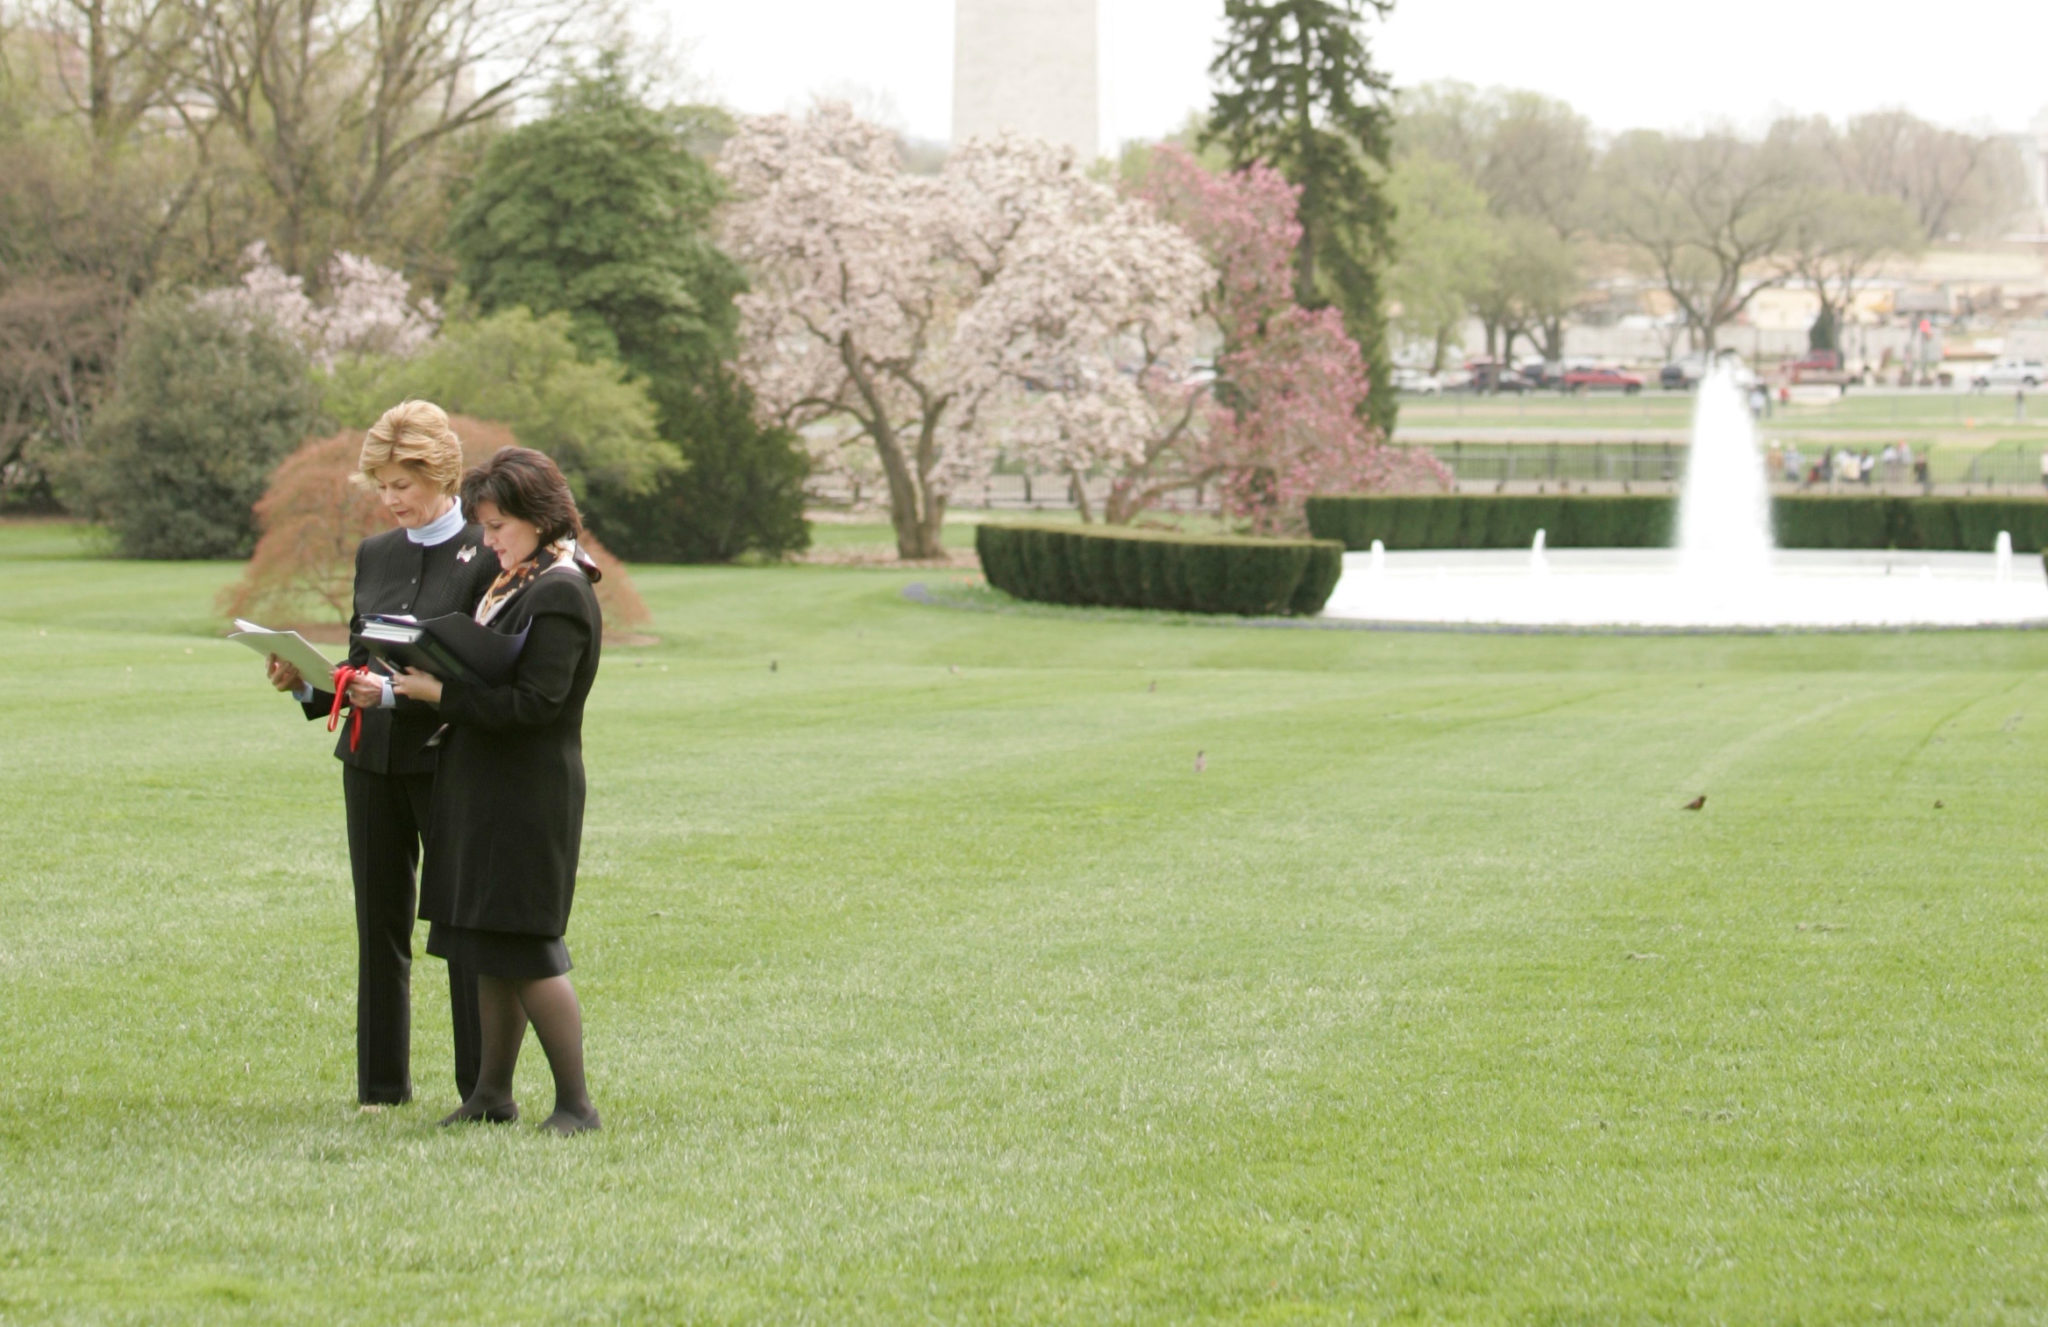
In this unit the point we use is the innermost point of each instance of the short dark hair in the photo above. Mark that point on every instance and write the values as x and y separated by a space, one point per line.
525 484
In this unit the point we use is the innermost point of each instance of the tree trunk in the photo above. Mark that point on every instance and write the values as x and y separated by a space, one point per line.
1081 498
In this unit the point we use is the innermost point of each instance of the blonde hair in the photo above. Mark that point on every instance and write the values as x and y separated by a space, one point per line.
417 435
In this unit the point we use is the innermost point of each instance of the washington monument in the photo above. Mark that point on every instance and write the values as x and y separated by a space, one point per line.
1027 66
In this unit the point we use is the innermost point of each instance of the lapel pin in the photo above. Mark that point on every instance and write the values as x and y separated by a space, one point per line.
466 552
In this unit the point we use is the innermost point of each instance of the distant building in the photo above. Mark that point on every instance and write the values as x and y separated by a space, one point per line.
1027 66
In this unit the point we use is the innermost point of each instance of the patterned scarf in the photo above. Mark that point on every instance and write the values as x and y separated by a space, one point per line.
563 552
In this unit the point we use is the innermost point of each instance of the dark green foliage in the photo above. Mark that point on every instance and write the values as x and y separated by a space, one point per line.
1318 578
741 490
1569 521
1144 569
1843 522
201 413
1824 332
1298 91
1454 520
603 211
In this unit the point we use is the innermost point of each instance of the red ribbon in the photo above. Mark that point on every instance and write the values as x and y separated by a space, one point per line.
344 675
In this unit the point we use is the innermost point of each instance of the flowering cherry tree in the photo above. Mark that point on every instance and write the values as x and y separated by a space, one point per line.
1285 422
1089 341
369 309
1007 301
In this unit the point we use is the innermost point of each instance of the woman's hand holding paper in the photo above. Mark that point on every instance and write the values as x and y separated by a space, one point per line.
283 676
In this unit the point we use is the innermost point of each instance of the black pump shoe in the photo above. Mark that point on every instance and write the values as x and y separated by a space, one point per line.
504 1114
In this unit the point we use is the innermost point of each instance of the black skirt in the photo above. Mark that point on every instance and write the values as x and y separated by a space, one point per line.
500 954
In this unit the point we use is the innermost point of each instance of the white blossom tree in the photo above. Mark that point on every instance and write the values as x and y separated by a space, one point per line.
1008 300
368 309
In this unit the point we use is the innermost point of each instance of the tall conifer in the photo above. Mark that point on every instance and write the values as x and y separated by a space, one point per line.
1297 90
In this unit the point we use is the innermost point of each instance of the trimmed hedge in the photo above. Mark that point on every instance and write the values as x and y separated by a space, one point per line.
1063 564
1463 520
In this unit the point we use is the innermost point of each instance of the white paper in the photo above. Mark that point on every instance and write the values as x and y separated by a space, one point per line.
289 646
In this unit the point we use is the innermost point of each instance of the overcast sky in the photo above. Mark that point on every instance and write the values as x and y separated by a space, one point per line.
1622 63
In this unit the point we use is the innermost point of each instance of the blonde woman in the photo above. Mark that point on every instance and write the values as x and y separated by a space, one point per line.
434 562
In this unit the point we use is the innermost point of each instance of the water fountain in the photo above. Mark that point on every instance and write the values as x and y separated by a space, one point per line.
1724 574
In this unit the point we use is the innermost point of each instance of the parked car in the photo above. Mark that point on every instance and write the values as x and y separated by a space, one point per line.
2010 373
1601 380
1820 366
1678 375
1419 381
1686 371
1489 376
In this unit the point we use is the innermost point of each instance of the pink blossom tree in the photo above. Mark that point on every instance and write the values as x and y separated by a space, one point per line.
1285 422
369 309
1092 336
1010 301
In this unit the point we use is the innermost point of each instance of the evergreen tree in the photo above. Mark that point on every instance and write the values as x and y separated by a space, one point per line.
742 491
603 210
1299 92
1824 334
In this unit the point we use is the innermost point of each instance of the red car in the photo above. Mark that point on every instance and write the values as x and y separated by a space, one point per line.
1601 380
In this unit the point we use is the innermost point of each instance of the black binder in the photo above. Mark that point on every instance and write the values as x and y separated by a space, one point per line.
452 646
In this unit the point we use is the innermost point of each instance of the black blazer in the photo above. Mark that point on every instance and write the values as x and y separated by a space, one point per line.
395 575
507 820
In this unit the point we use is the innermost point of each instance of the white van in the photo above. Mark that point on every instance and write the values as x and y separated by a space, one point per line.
2011 373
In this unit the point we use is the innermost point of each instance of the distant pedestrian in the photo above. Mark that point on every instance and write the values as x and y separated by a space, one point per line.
1865 464
2044 467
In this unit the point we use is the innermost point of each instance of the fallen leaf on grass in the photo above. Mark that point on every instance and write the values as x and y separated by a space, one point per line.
1637 958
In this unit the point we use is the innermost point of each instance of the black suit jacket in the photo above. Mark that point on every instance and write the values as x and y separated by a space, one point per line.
507 821
395 575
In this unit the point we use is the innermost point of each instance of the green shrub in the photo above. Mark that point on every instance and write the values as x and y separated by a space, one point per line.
1144 569
996 546
1801 520
1461 520
1318 578
740 488
202 411
526 373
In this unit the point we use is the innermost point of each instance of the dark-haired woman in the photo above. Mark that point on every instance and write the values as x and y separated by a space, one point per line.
507 819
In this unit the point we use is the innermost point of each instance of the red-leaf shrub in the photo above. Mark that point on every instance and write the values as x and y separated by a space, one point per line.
313 515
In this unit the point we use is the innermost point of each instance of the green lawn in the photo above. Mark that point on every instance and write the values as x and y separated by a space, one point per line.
923 994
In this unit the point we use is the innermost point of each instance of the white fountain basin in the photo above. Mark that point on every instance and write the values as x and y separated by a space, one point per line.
1647 589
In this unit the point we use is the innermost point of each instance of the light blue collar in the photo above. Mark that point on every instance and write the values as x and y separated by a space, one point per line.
442 529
